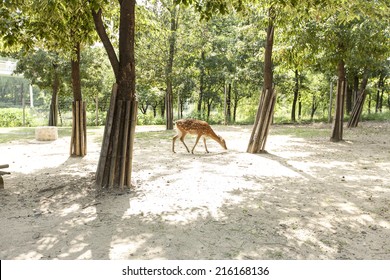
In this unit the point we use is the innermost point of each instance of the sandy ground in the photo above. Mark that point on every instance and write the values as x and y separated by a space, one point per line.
307 198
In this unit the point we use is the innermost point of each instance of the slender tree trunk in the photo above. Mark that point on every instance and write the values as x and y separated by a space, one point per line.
154 106
381 101
228 103
208 103
201 84
115 163
349 99
169 68
337 133
369 103
378 93
162 107
78 145
235 105
358 107
53 115
144 108
267 101
296 93
381 84
355 93
313 107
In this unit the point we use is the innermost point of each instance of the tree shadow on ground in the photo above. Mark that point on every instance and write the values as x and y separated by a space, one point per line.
222 205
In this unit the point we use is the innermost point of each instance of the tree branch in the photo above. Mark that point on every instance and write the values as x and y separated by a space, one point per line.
101 30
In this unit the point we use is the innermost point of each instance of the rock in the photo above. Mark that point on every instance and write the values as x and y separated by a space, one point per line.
36 235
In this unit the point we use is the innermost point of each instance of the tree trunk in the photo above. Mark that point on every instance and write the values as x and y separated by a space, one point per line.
381 101
378 94
358 108
169 69
337 133
162 107
313 107
53 115
115 162
267 101
154 106
78 145
201 84
349 99
228 103
235 105
355 94
295 99
144 108
208 103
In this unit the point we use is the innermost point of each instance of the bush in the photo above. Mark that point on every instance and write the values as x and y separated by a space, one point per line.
149 120
91 119
13 117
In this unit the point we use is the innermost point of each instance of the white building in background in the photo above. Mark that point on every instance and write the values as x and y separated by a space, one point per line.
7 68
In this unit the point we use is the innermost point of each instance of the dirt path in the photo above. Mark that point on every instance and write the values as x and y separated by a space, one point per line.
307 198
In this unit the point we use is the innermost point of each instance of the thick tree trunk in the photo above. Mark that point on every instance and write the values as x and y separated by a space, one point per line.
358 108
337 132
296 93
78 145
115 162
267 101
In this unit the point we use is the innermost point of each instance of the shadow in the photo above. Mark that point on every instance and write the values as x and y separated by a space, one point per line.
305 199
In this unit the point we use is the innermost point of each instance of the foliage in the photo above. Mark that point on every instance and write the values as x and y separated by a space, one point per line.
224 47
12 117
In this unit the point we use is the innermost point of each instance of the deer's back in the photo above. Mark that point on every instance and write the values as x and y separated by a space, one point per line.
193 126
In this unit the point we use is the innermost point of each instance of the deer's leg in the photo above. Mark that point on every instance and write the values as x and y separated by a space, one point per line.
182 140
204 141
173 142
196 142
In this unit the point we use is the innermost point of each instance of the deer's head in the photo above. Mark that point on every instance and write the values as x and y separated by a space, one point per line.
222 142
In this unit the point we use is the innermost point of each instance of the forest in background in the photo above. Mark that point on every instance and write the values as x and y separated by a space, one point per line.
213 67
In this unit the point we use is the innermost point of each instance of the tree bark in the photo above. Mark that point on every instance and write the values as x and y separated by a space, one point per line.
201 83
115 162
358 107
169 69
337 132
267 101
296 93
100 29
229 103
349 99
53 114
78 145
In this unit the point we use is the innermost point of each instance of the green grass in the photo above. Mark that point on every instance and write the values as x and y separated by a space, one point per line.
27 133
303 131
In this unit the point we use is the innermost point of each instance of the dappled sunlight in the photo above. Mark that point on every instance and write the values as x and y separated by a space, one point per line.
305 198
123 248
32 255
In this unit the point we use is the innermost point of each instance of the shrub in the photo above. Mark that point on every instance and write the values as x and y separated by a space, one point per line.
13 117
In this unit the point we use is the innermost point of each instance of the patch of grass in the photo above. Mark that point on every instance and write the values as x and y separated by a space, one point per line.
27 133
306 131
385 116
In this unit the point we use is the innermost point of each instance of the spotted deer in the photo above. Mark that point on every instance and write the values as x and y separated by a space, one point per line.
196 127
